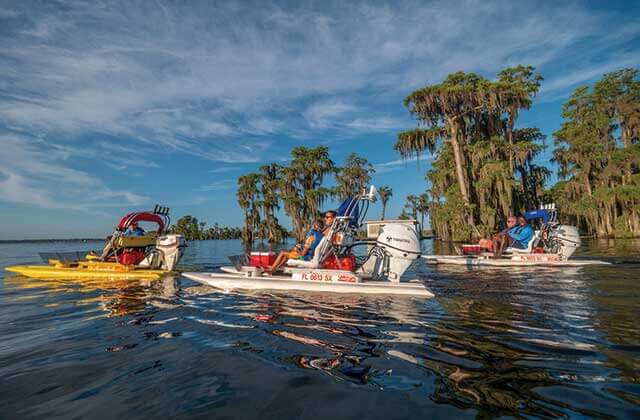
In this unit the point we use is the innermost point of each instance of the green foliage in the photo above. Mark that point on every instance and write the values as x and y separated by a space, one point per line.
353 176
191 229
484 168
598 154
301 188
259 200
298 187
417 208
385 194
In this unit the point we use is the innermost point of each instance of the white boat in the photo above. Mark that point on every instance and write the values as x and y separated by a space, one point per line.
378 272
231 279
521 260
552 245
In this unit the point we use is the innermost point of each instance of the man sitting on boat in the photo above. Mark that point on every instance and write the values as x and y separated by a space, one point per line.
518 237
134 230
303 251
489 244
329 217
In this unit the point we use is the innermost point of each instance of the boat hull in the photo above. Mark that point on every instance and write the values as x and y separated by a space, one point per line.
226 281
51 272
524 260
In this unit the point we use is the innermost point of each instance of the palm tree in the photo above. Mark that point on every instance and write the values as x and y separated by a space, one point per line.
353 177
411 206
301 186
385 195
524 83
460 121
269 189
446 110
424 205
598 154
248 200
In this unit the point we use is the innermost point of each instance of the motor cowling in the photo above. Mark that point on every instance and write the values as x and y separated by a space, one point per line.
167 253
563 240
397 247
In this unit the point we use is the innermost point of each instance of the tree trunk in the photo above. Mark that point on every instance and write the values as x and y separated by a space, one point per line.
528 195
384 209
624 134
510 124
457 155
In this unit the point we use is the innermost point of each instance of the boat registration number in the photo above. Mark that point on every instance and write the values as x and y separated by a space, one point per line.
539 258
320 276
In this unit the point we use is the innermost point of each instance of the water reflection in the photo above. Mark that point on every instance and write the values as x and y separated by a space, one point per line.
558 342
117 297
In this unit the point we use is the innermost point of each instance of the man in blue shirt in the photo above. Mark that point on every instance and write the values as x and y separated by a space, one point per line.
517 237
134 230
521 234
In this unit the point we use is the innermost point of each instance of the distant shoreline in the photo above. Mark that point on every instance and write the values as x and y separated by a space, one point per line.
17 241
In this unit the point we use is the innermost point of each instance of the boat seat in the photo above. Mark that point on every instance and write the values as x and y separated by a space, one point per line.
528 249
317 256
148 239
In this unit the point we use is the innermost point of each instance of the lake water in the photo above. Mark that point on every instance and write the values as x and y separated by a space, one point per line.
494 342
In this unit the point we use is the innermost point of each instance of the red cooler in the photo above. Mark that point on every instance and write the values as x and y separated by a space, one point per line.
262 259
471 249
267 258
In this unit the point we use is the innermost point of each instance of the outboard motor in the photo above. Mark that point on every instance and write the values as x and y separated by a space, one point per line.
563 240
167 253
396 248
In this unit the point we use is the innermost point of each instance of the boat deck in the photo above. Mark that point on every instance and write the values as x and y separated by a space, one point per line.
240 281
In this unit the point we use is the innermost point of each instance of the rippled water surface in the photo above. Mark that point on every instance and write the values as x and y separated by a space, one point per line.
494 342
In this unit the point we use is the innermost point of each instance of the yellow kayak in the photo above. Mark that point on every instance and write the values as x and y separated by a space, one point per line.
85 269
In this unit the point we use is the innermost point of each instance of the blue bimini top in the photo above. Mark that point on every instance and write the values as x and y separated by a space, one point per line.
350 207
536 214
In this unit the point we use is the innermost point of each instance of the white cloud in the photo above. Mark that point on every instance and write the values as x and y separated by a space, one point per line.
376 124
561 85
32 174
188 75
324 114
425 158
225 184
224 169
226 81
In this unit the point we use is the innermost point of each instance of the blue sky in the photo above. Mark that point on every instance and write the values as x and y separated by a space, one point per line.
110 106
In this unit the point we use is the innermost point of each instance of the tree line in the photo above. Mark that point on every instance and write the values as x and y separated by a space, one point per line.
598 152
192 229
298 188
484 167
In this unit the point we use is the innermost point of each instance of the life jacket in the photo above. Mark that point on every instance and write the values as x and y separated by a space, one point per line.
317 237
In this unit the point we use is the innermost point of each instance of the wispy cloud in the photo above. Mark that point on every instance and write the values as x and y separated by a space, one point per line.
230 82
224 169
224 184
560 86
376 124
321 114
32 174
196 86
392 165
